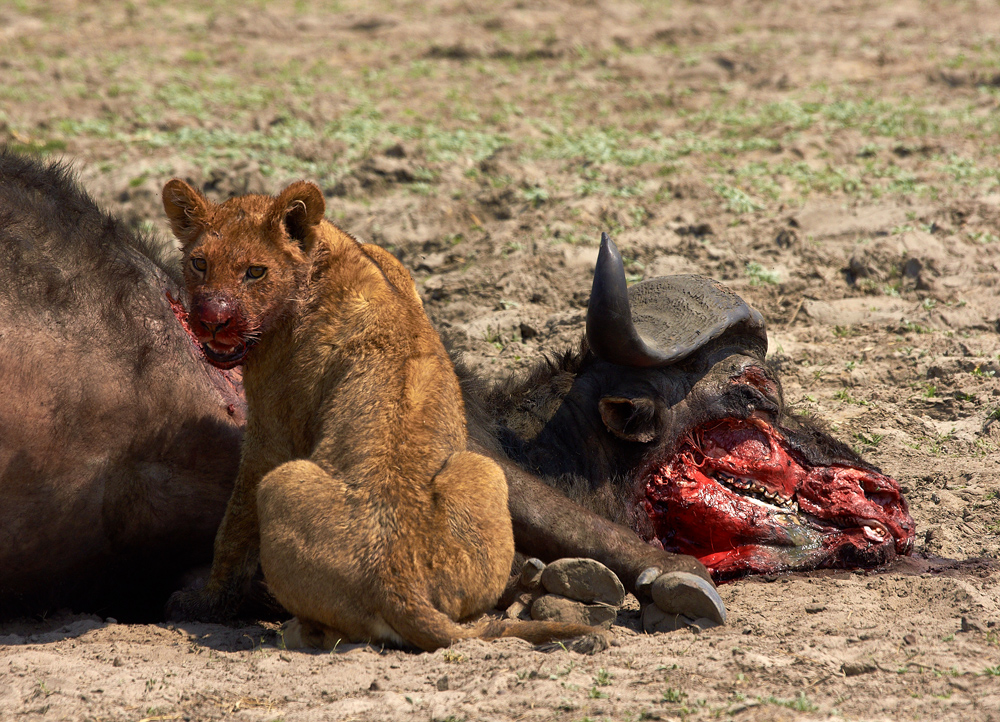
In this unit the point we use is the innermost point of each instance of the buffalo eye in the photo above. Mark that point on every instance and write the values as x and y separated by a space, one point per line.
255 272
199 264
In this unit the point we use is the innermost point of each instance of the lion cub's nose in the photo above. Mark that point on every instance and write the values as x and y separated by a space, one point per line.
214 314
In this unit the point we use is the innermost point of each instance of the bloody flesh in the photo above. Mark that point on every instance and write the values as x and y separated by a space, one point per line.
739 498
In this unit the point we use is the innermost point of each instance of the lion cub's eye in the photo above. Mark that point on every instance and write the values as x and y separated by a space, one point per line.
199 264
255 272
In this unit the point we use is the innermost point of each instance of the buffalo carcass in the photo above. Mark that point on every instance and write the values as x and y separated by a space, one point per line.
669 422
118 444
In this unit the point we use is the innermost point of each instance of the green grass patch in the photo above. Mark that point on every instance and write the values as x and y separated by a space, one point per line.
759 275
798 704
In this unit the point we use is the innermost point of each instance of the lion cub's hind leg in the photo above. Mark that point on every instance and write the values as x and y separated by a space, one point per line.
471 541
317 552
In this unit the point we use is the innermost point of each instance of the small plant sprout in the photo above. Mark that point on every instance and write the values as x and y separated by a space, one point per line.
758 275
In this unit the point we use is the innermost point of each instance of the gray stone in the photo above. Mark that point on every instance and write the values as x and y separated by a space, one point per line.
520 608
584 580
554 608
516 610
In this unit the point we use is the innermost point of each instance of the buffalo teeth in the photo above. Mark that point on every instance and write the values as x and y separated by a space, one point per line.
742 484
874 533
769 507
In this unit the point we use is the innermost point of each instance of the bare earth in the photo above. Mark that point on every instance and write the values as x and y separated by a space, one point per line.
836 162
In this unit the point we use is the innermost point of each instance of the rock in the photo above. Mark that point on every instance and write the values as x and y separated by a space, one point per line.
554 608
584 580
910 639
531 573
517 610
520 608
688 594
853 669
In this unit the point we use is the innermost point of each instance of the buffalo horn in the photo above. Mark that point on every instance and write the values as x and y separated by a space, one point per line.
610 331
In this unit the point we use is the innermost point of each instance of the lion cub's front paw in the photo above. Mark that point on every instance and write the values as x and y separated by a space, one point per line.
194 606
291 635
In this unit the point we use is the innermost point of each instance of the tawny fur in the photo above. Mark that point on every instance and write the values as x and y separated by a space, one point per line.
370 518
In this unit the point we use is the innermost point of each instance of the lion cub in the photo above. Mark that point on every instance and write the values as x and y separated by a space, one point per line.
370 519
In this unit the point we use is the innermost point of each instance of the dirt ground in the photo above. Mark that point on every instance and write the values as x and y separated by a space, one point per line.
834 161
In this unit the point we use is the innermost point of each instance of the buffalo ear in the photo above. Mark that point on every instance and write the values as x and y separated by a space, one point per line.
300 209
186 210
630 419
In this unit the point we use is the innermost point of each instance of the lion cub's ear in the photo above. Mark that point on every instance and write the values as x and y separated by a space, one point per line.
299 209
186 208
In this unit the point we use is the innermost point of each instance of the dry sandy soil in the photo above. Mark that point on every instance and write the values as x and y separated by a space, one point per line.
835 161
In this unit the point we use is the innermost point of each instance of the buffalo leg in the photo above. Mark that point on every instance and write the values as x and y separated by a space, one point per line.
550 526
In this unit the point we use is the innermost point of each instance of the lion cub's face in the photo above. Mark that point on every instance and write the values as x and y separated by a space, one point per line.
244 261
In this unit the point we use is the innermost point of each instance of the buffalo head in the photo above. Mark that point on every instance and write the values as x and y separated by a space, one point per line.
670 421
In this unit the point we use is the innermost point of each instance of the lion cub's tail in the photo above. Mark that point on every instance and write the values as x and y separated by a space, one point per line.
574 637
429 629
